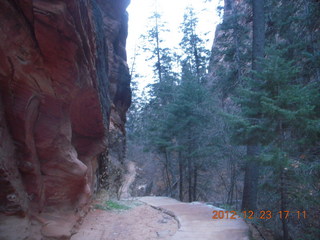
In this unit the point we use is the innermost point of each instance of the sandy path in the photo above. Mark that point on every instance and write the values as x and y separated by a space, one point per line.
139 223
197 223
147 223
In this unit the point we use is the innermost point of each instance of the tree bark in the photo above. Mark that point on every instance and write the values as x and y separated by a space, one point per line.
158 50
189 179
195 181
195 48
250 190
232 182
258 35
181 178
283 193
167 173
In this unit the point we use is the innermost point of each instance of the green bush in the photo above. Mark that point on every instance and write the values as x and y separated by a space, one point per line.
111 205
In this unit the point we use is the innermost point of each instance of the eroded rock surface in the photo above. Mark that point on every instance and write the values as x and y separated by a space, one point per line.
63 81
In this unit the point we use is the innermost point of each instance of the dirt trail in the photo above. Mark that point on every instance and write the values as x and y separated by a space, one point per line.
197 223
159 218
150 223
139 223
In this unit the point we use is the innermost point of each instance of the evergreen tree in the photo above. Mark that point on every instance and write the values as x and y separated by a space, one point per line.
161 56
288 118
187 122
178 108
161 94
195 54
249 200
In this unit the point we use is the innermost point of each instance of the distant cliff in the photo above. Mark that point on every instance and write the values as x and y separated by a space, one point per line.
231 51
65 90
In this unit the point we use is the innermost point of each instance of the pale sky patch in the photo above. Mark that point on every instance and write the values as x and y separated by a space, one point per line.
172 13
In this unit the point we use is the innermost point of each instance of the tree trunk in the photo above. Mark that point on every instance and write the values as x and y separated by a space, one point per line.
180 178
195 179
167 173
284 205
158 50
258 35
195 49
189 179
232 182
250 189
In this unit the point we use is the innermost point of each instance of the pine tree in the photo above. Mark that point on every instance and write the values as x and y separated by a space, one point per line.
280 105
250 189
286 108
161 56
177 110
187 124
195 54
161 94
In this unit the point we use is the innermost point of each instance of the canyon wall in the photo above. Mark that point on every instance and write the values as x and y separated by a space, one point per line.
231 52
64 93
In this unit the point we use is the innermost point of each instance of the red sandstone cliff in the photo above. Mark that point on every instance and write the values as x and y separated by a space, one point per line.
63 81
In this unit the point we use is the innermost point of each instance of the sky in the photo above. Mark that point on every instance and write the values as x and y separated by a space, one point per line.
172 13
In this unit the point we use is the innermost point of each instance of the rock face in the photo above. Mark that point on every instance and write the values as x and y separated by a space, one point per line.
231 51
63 81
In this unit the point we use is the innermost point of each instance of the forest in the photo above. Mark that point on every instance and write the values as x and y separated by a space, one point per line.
237 125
